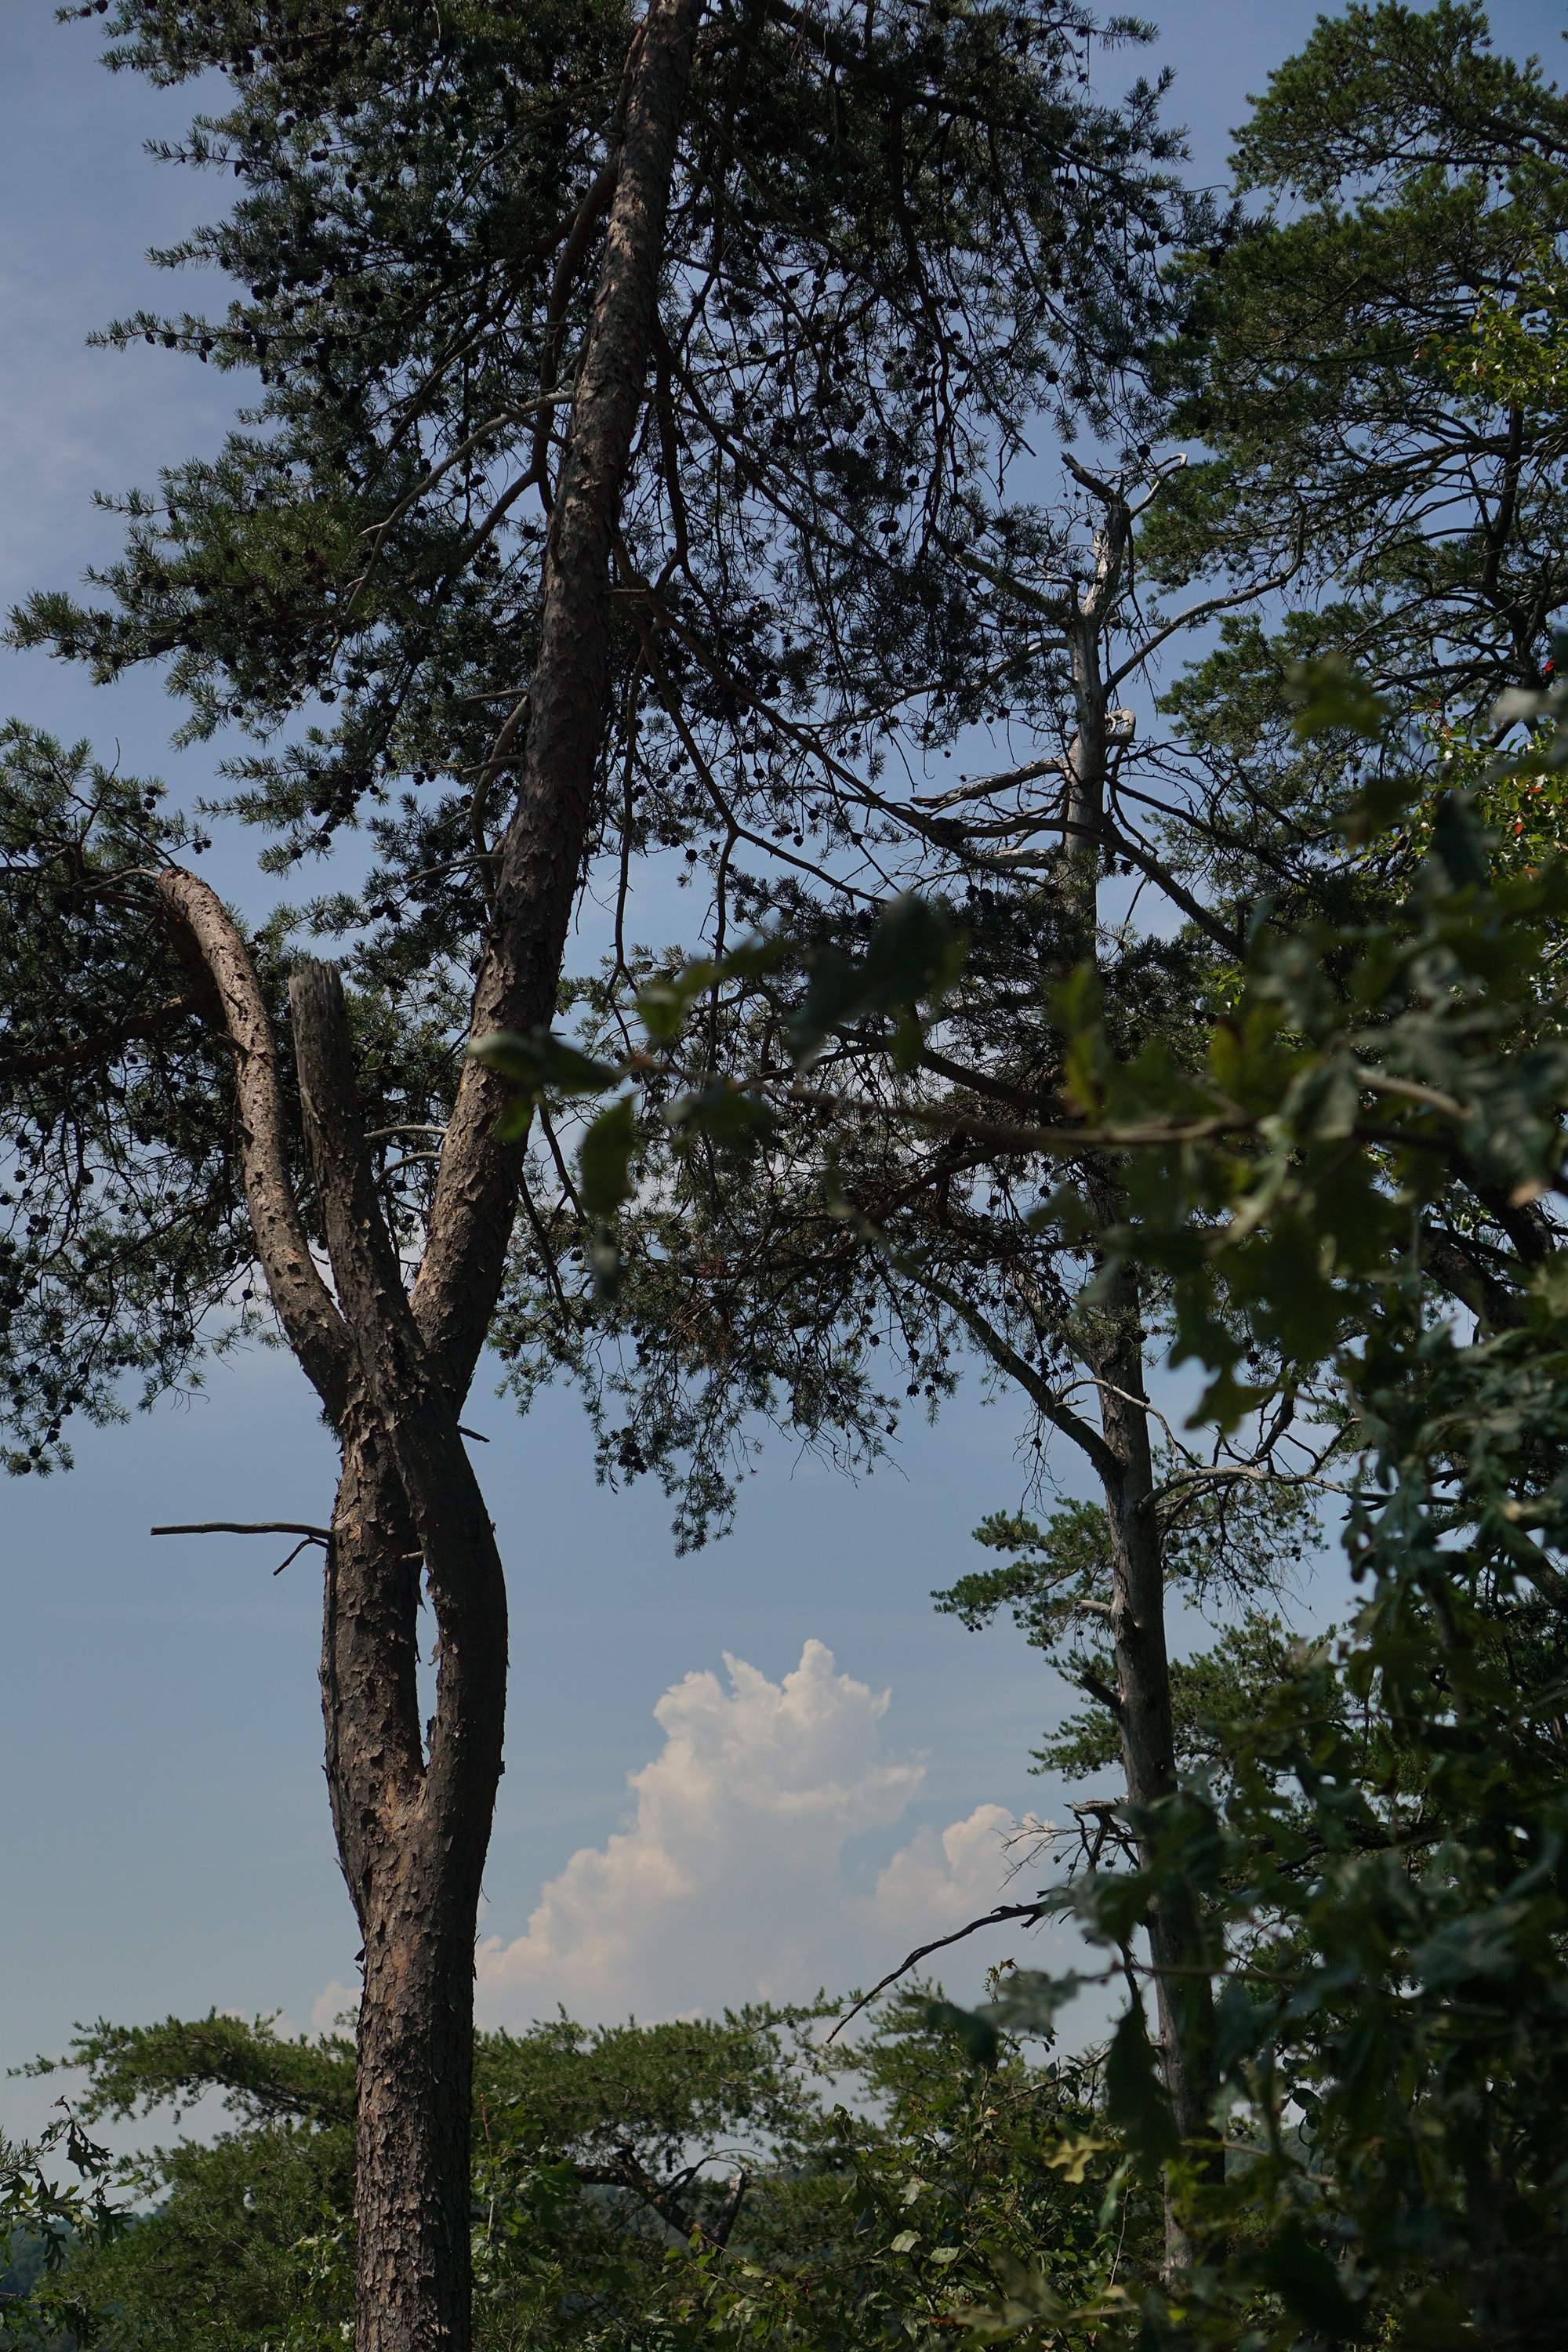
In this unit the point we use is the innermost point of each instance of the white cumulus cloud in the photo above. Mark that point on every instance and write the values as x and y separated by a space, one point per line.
728 1882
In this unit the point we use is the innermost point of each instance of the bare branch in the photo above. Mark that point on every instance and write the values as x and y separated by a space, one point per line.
1203 612
1032 1912
248 1528
1007 1360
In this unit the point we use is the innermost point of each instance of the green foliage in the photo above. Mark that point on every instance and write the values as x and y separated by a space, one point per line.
1408 186
1330 699
1325 1125
1516 346
45 2223
1389 1865
1427 1036
915 954
1226 1536
1375 1846
598 2153
98 1136
1212 1693
1377 1849
862 302
125 1242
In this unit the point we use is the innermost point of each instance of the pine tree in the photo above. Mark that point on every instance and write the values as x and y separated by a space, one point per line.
616 378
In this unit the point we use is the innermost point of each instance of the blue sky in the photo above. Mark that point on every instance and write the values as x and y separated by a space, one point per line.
166 1845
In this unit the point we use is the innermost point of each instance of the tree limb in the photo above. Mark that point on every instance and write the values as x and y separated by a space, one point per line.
477 1190
417 1416
1007 1360
306 1308
29 1062
629 2172
248 1528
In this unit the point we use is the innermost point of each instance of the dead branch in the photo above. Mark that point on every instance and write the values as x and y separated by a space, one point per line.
248 1528
1031 1912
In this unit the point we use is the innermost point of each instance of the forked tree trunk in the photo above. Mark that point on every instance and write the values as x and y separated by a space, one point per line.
411 1811
414 1826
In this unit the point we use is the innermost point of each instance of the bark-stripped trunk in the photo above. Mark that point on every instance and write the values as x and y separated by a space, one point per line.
1115 1356
413 1813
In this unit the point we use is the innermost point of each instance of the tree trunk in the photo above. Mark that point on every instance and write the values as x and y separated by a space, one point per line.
413 1819
413 1815
413 1827
475 1191
1115 1356
413 2269
1175 1929
413 1853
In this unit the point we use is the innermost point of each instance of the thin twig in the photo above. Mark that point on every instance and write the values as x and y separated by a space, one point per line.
1033 1912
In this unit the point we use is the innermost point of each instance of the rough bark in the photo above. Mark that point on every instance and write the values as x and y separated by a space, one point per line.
1465 1277
413 1815
416 2035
